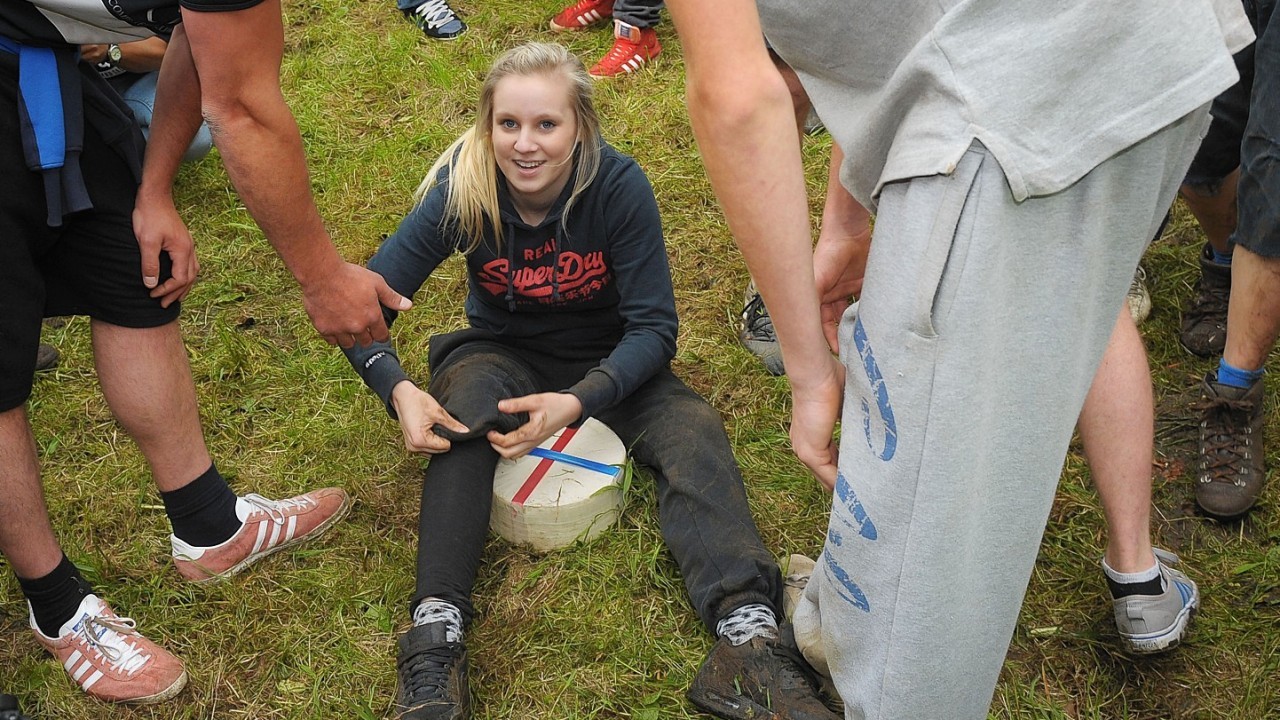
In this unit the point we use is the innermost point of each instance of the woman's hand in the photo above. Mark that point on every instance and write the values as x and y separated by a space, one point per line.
419 413
548 413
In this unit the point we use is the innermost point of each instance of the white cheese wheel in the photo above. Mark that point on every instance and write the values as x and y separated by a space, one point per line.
548 504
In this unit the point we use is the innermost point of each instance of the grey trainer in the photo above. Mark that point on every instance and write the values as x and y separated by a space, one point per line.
1204 321
1232 463
1152 623
757 335
1139 297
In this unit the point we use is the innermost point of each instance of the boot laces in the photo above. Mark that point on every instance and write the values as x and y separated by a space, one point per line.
425 674
1225 420
1210 302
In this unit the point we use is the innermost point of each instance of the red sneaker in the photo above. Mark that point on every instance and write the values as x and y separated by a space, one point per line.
632 48
269 526
104 654
582 14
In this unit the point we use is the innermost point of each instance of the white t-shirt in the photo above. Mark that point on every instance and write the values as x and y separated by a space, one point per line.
78 22
1052 88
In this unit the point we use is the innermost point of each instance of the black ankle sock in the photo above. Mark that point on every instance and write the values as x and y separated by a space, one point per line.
55 597
203 512
1147 587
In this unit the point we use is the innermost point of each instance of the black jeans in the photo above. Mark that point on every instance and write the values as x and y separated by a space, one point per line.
1245 133
702 505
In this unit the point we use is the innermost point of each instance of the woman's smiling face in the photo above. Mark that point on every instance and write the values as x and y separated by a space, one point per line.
535 130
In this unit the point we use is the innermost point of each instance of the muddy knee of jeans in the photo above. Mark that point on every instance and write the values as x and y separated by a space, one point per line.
1203 187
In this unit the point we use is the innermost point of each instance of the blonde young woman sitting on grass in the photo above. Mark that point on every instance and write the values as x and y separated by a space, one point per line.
572 316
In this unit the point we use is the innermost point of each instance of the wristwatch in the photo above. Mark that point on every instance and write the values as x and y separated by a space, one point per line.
109 66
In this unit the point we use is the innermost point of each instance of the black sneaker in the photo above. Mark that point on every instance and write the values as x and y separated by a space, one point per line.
46 357
1232 464
433 676
759 679
1204 321
757 335
9 708
436 20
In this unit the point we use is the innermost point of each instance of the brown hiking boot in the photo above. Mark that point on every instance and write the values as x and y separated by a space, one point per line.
1232 463
1204 321
759 679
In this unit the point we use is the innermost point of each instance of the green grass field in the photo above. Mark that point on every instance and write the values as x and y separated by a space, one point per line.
594 631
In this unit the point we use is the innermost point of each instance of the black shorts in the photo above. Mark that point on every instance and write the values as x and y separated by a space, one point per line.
89 266
1245 133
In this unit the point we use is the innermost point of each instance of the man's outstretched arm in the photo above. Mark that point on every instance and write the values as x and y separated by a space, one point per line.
237 57
746 133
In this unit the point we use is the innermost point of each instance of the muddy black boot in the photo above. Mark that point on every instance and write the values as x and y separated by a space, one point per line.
46 357
9 708
761 679
433 676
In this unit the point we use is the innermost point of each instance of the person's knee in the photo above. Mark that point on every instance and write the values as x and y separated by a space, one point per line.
13 411
1202 187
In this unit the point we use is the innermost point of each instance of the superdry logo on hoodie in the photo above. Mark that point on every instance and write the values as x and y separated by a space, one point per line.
578 277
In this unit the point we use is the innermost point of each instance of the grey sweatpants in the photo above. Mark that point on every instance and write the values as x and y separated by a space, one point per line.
980 327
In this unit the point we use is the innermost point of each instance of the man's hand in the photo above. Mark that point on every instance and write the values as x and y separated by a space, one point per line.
548 413
839 264
93 54
419 413
159 229
345 305
815 408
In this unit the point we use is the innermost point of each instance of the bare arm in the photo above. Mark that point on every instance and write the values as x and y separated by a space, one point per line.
155 219
745 127
840 258
142 56
237 58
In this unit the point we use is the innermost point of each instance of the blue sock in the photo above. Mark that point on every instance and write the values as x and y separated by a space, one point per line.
1233 376
1221 258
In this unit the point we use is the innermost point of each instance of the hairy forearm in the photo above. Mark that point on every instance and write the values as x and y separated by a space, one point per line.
237 55
263 154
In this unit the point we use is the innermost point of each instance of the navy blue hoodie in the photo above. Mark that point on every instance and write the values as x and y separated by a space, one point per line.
596 287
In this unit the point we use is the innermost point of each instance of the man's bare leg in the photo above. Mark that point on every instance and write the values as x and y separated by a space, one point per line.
1116 429
147 382
1254 313
1214 207
26 536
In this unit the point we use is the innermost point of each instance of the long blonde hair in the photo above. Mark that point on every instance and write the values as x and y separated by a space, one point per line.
472 185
